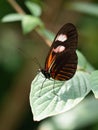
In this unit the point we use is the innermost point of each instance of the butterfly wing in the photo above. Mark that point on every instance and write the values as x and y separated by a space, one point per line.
61 61
64 66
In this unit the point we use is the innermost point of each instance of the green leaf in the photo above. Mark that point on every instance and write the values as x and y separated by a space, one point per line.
62 98
94 82
34 8
12 18
85 114
84 7
29 23
83 63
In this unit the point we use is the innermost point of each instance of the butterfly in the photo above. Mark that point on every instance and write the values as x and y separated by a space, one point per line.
61 61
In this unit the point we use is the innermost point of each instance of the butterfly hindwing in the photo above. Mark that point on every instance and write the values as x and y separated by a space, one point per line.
64 66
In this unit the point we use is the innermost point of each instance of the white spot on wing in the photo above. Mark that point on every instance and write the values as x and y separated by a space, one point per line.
61 37
59 49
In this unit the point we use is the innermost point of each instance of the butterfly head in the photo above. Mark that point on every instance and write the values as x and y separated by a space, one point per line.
46 73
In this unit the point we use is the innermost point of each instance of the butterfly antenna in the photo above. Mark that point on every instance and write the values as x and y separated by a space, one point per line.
37 62
34 59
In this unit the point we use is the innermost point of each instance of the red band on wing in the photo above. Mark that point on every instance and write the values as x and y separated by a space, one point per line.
50 60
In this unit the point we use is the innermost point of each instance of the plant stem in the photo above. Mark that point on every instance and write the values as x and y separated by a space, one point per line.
15 5
19 10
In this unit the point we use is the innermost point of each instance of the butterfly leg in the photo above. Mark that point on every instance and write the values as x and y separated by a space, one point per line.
41 87
54 92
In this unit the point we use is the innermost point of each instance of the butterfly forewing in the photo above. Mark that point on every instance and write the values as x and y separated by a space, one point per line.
61 62
69 30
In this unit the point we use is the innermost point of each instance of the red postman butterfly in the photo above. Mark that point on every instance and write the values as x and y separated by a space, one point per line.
61 62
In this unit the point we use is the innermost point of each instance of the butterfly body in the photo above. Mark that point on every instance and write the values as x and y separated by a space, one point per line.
46 73
61 62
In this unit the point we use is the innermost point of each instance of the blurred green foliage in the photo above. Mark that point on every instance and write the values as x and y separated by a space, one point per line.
12 63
